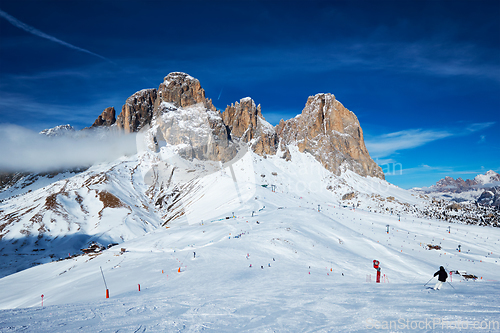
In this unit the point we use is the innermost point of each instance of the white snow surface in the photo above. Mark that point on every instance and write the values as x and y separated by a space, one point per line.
252 260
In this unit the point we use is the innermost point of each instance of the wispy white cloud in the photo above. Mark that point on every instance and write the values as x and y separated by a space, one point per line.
18 24
388 144
26 150
385 145
479 126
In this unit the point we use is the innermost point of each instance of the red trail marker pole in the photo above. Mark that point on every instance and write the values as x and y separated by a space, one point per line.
42 299
376 265
139 286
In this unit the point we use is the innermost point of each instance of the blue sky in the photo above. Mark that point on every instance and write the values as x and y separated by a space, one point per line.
423 77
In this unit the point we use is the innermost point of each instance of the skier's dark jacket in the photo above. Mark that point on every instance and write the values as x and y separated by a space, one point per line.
442 274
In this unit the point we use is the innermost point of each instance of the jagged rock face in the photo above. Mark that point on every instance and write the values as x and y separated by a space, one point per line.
242 117
246 122
332 134
137 111
197 132
106 118
184 117
182 90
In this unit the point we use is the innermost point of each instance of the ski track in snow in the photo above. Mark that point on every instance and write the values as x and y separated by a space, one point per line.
305 306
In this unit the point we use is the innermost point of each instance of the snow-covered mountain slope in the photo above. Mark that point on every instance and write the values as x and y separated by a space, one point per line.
251 259
55 220
119 201
261 244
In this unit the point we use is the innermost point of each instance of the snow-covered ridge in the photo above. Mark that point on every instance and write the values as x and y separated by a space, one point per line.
58 130
265 126
489 178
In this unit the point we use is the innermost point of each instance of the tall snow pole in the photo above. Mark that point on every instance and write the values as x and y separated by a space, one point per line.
105 285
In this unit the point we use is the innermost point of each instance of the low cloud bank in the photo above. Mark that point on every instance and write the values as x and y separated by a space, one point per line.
23 150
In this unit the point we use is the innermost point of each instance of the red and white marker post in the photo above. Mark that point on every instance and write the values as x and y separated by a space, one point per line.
376 265
42 299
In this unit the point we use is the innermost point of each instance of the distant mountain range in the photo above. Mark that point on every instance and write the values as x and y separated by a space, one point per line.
483 189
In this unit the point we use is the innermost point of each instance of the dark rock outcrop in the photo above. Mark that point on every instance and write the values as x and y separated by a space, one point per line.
245 121
332 134
106 118
137 112
182 90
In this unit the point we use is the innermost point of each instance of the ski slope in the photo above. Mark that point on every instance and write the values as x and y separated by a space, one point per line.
256 260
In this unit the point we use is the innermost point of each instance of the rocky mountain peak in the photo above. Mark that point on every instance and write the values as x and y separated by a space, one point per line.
490 177
182 115
246 123
332 134
182 90
106 118
242 117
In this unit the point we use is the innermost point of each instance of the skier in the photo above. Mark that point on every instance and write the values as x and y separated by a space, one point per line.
441 278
